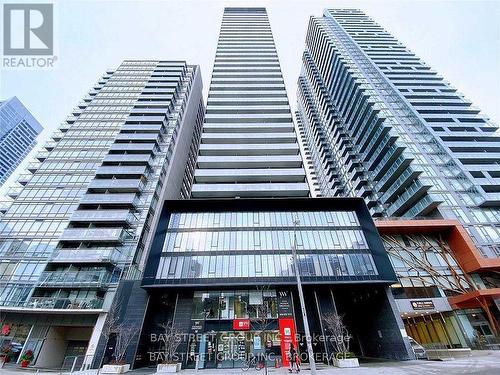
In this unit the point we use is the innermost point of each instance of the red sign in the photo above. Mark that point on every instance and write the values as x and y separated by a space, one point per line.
241 324
287 333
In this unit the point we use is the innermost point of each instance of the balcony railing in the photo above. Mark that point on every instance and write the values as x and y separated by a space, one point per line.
75 278
13 192
24 178
111 255
58 303
95 234
118 198
122 170
98 216
49 145
42 155
32 167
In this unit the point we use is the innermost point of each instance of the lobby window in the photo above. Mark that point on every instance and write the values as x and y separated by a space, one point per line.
238 304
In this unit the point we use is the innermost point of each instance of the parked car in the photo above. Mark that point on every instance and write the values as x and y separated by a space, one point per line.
418 349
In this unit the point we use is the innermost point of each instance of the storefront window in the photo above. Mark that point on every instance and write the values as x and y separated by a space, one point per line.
206 305
241 302
235 304
211 305
226 305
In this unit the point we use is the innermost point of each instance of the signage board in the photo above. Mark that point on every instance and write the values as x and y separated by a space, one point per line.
422 305
285 306
287 333
241 324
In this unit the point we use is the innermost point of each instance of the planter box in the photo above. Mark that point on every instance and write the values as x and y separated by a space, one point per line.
344 363
115 369
168 367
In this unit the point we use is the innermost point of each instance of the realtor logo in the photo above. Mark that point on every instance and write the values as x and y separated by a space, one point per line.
28 29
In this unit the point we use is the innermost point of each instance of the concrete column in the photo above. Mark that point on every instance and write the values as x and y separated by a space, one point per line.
53 349
94 340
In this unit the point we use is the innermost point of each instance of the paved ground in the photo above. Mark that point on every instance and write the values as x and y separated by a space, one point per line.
481 363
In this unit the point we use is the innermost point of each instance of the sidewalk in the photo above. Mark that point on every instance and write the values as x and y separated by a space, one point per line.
481 363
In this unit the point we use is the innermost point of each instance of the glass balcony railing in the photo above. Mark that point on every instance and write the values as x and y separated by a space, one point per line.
24 178
118 198
122 170
111 255
49 145
58 303
57 135
95 234
13 192
99 216
133 147
75 278
32 167
128 158
42 155
117 185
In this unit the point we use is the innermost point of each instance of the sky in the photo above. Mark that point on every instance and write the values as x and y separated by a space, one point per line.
459 39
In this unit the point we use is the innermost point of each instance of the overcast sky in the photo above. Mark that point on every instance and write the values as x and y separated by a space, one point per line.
459 39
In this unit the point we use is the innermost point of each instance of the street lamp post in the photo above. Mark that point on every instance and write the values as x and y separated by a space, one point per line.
310 351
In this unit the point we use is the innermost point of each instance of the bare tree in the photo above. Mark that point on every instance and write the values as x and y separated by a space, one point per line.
171 337
263 320
112 320
339 334
124 335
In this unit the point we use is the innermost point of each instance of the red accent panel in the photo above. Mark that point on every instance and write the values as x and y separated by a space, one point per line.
470 300
466 253
241 324
287 333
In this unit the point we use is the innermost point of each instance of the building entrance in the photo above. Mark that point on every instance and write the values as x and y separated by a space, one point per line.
229 349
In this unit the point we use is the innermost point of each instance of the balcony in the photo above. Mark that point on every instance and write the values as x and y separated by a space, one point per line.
102 216
33 167
111 255
250 175
64 127
280 161
54 279
128 158
413 193
122 170
257 149
42 155
246 128
250 190
61 303
117 185
49 146
144 137
144 147
404 179
13 192
424 206
57 135
246 138
137 119
128 199
24 179
117 235
141 128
